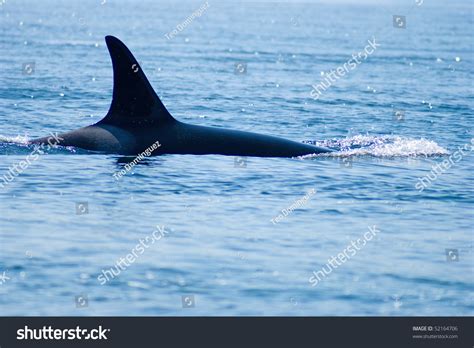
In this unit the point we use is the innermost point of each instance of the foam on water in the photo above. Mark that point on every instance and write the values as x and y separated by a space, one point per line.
18 145
381 146
16 139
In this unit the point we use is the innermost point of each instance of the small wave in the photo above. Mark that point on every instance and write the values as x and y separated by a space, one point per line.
15 140
19 145
381 146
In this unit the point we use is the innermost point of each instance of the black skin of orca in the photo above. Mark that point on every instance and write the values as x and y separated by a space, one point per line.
137 119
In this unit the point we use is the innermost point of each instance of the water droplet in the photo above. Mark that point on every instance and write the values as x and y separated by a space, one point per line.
457 59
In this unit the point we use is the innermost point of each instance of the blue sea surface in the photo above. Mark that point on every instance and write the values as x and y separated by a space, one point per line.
251 66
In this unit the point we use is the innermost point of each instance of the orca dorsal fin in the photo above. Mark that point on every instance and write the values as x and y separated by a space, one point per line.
134 102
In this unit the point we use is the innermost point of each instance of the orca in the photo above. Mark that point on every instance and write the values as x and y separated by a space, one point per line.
137 119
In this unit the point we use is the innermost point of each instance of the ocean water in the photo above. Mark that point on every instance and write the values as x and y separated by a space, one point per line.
251 66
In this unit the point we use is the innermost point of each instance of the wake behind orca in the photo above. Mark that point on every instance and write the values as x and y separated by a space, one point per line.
137 120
